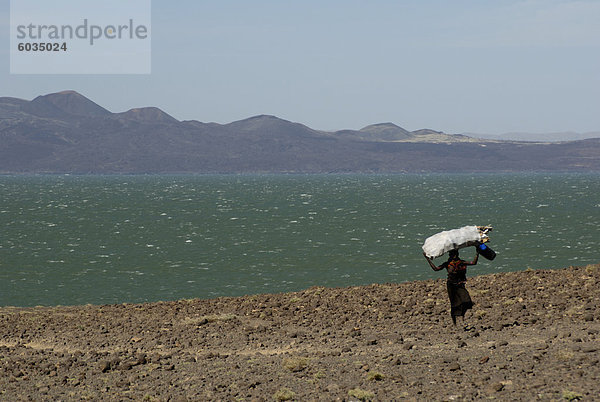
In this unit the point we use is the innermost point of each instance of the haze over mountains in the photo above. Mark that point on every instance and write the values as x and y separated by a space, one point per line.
538 137
66 132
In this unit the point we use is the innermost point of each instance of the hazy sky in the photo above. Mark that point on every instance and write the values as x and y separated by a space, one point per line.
456 66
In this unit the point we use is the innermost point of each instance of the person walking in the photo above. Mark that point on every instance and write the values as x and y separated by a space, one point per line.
460 300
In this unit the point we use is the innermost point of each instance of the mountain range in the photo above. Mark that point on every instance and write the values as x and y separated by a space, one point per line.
66 132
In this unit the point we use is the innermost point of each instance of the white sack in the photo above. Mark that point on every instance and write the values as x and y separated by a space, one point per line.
445 241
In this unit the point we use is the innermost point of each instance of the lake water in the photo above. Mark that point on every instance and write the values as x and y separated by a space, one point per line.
112 239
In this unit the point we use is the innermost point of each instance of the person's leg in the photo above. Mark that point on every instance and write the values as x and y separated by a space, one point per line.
452 296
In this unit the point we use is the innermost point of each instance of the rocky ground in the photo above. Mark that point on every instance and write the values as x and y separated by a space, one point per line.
535 335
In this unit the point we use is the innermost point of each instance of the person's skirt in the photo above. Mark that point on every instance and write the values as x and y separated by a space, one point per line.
460 301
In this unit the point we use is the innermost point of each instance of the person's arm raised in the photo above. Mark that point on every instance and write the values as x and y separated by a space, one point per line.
431 264
474 262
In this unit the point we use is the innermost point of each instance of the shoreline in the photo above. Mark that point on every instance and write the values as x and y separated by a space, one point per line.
535 335
471 276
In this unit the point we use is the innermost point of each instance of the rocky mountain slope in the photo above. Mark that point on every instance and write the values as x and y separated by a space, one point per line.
67 133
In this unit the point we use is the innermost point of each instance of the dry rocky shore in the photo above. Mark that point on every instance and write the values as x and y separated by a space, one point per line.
535 335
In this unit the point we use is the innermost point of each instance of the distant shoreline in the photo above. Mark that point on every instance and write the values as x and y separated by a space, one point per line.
290 174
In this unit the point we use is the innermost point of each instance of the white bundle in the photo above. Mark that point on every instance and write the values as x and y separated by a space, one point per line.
445 241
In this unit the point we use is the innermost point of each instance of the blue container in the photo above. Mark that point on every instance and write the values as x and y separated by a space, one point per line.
486 252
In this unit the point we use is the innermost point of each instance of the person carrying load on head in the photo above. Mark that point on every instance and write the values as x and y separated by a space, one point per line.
460 300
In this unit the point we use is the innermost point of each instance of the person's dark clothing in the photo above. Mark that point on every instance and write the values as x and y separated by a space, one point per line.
460 300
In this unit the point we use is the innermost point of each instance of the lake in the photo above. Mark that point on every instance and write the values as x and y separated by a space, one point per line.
112 239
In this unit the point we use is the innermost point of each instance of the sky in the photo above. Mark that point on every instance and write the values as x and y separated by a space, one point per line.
458 66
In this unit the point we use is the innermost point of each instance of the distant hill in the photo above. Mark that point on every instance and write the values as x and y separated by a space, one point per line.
377 132
66 132
147 115
63 105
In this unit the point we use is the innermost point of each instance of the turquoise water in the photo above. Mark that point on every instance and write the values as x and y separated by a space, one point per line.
112 239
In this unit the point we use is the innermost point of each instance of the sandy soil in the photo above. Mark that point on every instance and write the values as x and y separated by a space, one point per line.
536 335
